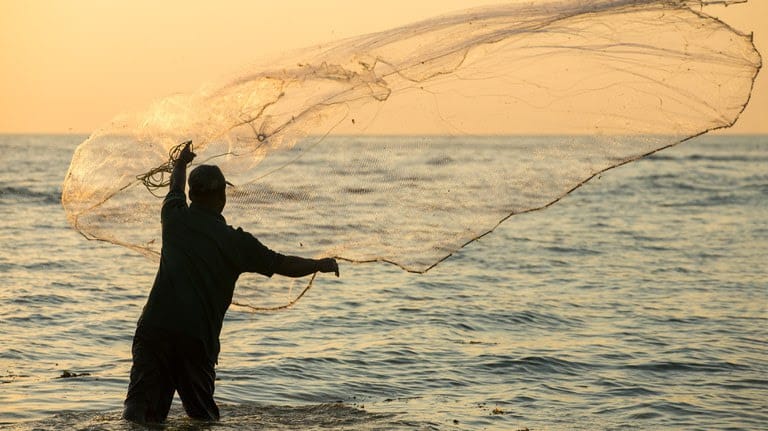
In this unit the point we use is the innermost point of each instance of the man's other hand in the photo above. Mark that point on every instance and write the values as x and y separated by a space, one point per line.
328 265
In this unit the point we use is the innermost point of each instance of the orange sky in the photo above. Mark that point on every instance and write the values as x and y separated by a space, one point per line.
71 66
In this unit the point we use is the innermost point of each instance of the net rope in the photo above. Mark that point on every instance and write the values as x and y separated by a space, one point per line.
159 177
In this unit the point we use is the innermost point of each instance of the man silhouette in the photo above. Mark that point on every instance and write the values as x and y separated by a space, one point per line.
176 344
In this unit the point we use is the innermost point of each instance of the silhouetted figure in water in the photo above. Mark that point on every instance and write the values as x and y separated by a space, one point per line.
176 344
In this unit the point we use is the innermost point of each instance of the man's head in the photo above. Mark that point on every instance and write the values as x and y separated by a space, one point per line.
207 187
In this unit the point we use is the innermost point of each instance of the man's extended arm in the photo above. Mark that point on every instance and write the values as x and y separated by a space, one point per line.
294 266
179 173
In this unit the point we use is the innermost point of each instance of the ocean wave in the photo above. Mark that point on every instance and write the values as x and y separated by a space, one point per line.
716 200
531 319
726 158
15 195
693 367
533 365
50 299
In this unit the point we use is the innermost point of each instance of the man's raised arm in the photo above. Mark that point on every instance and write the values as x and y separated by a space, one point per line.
179 173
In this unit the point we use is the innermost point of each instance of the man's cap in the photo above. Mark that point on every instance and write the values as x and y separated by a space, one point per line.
206 178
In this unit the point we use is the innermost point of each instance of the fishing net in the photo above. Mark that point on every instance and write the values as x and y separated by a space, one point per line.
405 145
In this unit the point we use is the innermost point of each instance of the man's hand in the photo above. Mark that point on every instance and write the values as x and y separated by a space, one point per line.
186 155
328 265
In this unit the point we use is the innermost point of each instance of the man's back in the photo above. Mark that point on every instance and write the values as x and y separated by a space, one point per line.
201 259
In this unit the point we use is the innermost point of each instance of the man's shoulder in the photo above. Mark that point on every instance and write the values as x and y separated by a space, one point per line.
244 237
173 201
240 234
174 197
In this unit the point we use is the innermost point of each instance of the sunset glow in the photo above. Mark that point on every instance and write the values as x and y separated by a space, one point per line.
70 67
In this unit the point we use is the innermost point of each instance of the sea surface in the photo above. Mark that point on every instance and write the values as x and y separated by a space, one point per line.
638 302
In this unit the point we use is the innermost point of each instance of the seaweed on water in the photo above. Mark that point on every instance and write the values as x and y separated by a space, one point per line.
66 374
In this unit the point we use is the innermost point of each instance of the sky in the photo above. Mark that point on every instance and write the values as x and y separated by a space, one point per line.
71 66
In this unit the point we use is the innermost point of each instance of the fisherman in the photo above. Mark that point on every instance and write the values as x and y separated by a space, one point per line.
176 344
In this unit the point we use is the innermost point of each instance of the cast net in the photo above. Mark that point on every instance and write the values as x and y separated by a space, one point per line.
405 145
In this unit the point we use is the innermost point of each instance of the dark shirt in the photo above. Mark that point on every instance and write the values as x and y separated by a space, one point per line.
200 261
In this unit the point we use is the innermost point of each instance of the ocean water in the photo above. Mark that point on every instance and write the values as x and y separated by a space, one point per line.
637 302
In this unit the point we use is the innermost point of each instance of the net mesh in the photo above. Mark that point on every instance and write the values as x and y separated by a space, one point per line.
405 145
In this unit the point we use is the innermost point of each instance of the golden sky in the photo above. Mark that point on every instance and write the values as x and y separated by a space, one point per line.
71 66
